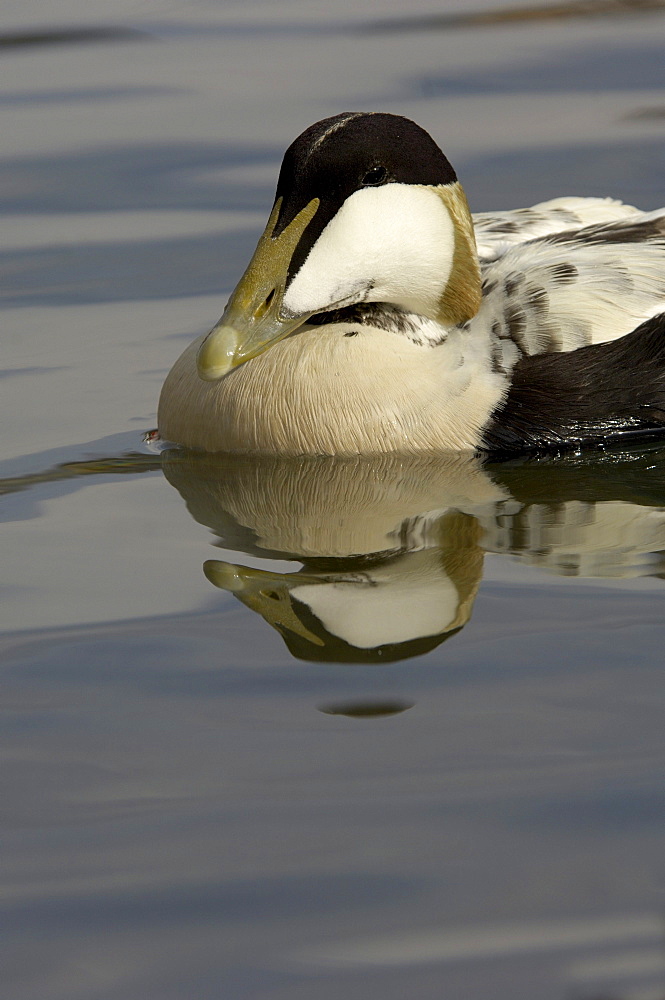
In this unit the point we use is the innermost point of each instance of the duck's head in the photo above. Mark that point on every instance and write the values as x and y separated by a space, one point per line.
367 210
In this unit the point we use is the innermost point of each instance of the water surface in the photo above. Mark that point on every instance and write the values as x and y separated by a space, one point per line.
279 729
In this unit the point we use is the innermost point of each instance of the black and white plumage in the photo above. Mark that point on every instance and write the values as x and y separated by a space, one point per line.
373 318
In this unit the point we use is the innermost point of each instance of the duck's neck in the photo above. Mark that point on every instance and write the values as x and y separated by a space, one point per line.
462 294
383 316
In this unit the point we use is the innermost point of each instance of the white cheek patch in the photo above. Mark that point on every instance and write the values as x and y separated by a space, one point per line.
373 616
386 244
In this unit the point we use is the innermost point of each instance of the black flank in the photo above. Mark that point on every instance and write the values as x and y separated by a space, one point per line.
595 396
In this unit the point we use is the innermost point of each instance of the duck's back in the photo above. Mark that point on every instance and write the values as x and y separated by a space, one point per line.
573 288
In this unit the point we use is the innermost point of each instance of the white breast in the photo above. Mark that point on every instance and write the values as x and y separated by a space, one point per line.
323 392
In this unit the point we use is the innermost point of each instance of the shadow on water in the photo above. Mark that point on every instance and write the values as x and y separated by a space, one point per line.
41 37
623 68
392 549
149 269
513 16
75 95
367 709
140 176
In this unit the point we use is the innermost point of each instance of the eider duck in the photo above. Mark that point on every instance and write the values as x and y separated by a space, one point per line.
378 315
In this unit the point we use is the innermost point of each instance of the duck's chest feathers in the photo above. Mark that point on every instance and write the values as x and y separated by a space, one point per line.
346 388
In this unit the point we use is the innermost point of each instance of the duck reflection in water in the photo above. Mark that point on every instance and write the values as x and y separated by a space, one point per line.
392 548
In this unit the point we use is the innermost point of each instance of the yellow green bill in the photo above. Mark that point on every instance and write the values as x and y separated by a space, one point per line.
252 321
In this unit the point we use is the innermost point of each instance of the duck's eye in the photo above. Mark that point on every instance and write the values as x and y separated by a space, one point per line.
376 175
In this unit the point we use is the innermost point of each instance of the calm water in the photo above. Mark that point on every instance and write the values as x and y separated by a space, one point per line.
308 729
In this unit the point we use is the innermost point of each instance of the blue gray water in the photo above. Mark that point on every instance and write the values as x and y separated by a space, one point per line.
311 729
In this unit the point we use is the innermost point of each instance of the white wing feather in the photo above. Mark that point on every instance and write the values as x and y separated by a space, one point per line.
496 232
564 291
